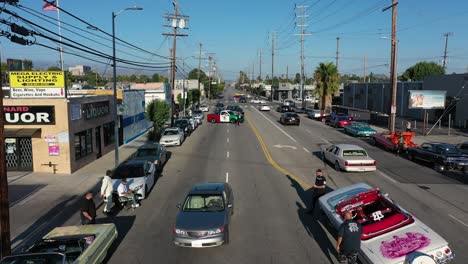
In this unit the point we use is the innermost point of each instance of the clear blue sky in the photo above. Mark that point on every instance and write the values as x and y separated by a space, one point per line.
236 29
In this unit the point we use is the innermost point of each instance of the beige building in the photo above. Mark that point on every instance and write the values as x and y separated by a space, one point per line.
57 135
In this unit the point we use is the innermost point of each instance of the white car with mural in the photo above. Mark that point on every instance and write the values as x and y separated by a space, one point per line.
390 234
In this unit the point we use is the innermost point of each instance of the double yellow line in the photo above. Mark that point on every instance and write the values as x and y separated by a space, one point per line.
270 159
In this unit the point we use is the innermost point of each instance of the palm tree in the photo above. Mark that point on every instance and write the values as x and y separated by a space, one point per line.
327 84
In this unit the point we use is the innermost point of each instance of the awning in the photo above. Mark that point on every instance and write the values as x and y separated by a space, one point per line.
20 132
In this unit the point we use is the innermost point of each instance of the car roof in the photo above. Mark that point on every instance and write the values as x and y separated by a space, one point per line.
209 187
349 147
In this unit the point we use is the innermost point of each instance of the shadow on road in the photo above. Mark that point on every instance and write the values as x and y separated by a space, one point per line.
123 224
312 222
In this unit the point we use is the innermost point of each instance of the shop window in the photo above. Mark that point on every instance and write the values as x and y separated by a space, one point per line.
83 143
109 135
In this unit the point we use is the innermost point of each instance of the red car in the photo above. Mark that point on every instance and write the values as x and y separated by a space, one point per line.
340 121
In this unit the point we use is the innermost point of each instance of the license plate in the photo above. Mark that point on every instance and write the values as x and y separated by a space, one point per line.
197 244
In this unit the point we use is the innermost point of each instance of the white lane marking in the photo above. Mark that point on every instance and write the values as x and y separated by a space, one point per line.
227 140
306 150
387 177
310 132
227 154
277 126
227 176
284 146
326 141
459 221
228 130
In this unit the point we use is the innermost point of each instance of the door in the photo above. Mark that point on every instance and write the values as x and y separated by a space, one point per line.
224 116
18 154
98 142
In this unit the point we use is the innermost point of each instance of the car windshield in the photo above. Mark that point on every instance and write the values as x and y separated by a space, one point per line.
363 125
73 248
293 115
144 152
181 122
128 171
45 258
204 202
354 153
333 201
170 132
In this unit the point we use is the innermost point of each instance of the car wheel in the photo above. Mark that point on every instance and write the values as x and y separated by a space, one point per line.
374 142
337 166
439 167
233 121
213 120
145 191
465 169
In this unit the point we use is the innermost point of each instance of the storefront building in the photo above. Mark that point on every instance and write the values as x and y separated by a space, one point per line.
58 135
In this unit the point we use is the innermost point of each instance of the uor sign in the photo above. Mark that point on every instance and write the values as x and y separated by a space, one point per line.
29 115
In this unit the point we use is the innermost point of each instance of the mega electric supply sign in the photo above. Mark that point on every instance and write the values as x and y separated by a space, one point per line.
34 84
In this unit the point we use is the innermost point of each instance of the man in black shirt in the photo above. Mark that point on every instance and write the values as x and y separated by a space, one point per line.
319 189
88 210
349 240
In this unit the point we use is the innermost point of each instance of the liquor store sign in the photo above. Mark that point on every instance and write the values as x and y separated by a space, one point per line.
34 84
29 115
96 110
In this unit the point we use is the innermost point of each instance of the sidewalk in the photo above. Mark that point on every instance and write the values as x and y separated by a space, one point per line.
52 200
419 139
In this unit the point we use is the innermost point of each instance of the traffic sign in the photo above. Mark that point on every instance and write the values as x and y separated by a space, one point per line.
37 79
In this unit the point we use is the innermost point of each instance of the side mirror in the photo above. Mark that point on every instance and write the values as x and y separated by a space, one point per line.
229 205
179 206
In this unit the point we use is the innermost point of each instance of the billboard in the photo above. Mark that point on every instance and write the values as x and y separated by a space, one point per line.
37 79
426 99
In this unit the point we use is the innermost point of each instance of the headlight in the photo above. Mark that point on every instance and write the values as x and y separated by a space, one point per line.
156 162
180 232
450 159
216 231
186 128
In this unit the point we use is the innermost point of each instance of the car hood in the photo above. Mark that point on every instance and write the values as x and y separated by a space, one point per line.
148 158
200 220
393 247
131 182
171 137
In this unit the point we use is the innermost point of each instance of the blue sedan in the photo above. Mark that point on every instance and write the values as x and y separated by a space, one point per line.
359 129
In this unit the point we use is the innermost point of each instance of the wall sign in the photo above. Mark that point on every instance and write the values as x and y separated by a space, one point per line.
50 138
37 79
75 111
29 115
37 92
54 149
96 110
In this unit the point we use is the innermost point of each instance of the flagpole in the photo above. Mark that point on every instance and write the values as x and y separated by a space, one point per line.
60 34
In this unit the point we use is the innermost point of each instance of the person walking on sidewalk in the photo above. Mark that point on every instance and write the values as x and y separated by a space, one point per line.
349 240
106 191
318 189
88 210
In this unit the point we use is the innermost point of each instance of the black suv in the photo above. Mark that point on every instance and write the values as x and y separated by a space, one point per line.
284 108
184 124
242 100
235 108
290 119
441 156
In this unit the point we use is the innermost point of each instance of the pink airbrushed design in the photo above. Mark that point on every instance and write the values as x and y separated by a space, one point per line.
401 246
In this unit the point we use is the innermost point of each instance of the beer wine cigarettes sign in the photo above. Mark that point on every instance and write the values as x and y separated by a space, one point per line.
29 115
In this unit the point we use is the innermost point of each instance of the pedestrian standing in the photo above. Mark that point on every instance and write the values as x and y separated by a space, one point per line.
408 126
238 119
106 191
88 210
319 189
349 240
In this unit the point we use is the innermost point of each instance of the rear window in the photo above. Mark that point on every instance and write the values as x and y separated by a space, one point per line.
147 152
354 153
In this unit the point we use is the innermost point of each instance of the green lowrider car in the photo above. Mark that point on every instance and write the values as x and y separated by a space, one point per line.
359 129
72 244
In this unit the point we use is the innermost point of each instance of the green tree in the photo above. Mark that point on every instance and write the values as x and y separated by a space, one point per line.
327 77
27 65
180 100
54 68
193 75
143 78
155 77
195 95
158 111
421 70
297 78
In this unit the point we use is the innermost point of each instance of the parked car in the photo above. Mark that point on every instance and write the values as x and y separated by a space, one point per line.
348 157
390 234
340 121
235 108
314 114
463 147
389 140
290 118
289 103
284 108
192 121
185 125
205 216
138 173
242 100
264 107
198 115
359 129
70 244
172 136
154 153
441 156
219 105
204 108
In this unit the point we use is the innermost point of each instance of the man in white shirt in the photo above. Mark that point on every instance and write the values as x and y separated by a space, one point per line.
125 192
106 191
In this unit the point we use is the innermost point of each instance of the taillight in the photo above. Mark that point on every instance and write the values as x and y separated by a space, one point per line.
448 251
375 163
346 163
173 230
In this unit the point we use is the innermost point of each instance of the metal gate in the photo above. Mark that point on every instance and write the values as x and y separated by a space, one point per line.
19 154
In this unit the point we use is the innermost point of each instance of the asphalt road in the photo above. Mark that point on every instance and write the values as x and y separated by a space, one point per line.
270 185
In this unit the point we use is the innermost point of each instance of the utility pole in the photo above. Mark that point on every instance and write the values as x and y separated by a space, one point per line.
444 62
365 66
177 22
260 65
199 66
272 63
337 50
302 25
287 72
5 242
393 66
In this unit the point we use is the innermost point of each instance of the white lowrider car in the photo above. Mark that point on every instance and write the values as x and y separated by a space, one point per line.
390 234
139 173
264 107
349 158
172 136
257 101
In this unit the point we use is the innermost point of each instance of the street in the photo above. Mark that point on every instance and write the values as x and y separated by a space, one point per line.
270 224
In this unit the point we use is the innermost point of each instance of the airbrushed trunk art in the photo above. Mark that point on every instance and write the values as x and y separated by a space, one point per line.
401 246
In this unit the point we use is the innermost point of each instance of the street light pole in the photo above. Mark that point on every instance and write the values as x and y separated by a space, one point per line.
116 116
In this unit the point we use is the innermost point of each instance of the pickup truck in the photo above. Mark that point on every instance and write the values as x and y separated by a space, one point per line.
441 155
224 116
